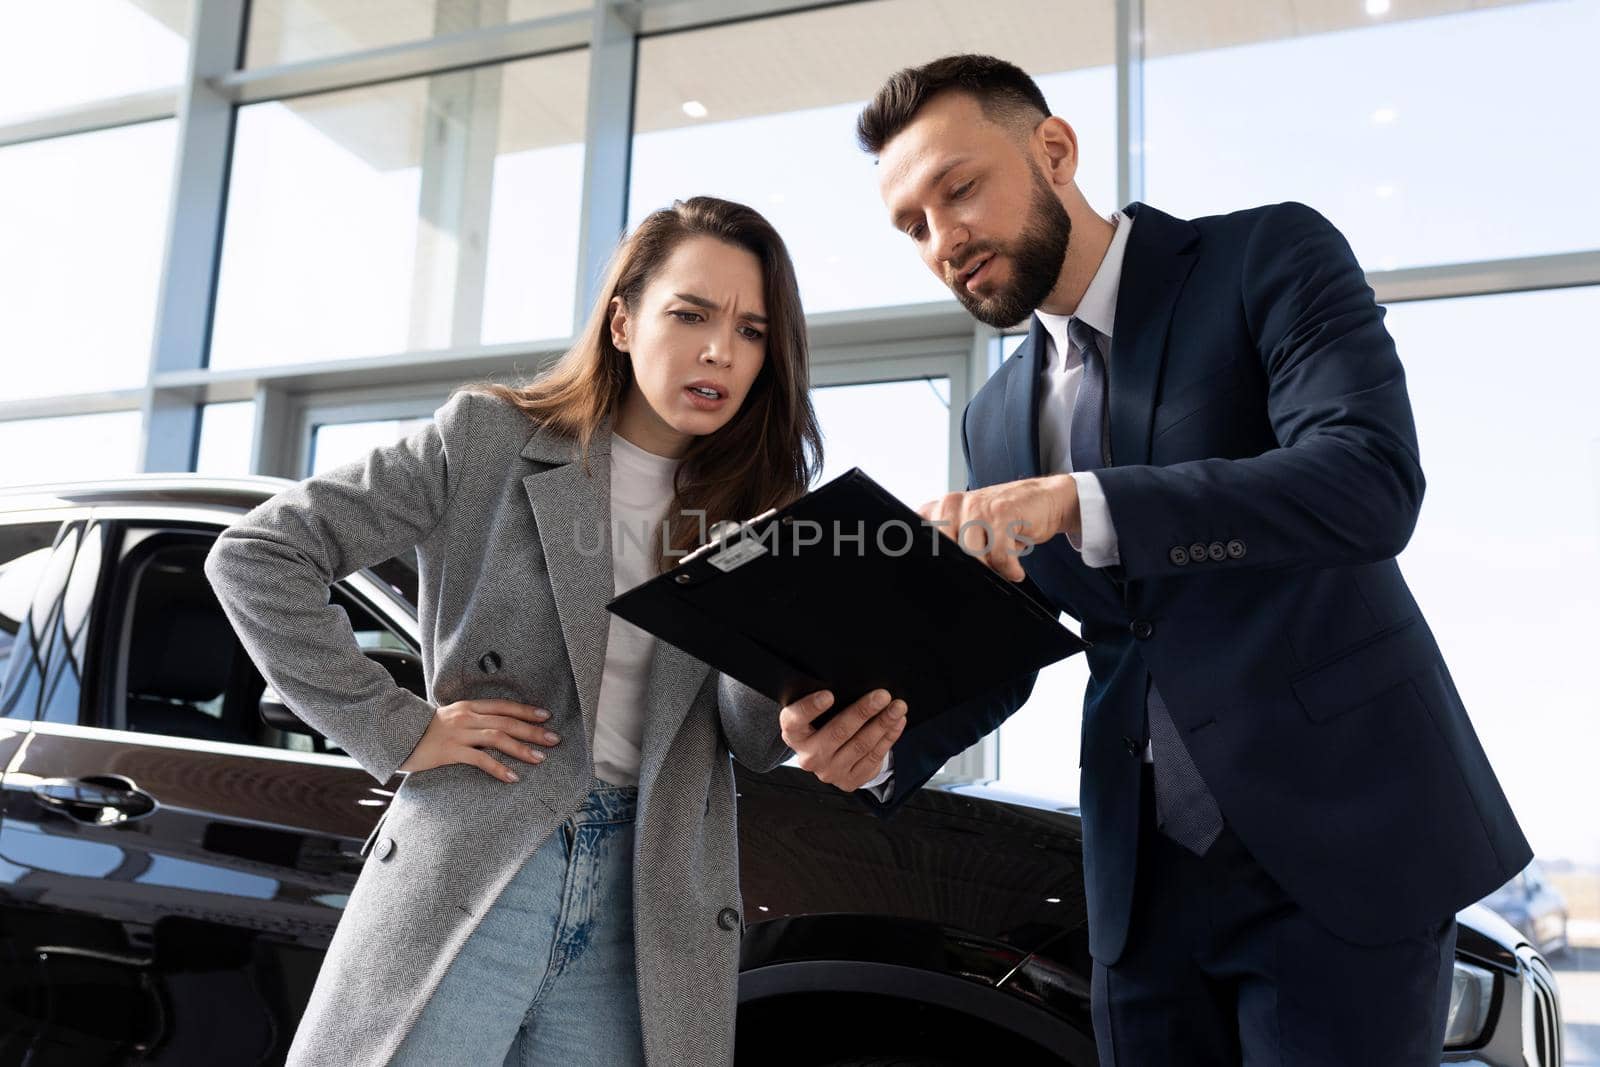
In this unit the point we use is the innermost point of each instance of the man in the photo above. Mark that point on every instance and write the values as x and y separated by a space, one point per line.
1207 434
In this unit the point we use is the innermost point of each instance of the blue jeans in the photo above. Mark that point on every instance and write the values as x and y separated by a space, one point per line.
547 977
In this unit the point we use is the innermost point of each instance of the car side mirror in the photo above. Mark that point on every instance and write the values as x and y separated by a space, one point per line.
404 667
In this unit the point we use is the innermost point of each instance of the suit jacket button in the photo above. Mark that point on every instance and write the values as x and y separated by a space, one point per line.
1235 549
490 663
1179 555
1133 747
384 848
1141 628
1197 551
728 919
1217 551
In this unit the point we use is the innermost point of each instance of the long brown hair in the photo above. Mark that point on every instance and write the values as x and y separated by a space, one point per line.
771 449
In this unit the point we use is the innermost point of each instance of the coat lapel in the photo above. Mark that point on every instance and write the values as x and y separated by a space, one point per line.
675 680
572 512
1022 404
1157 262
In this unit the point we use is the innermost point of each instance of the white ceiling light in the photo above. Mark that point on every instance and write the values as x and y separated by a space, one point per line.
1385 192
1377 7
694 109
1384 116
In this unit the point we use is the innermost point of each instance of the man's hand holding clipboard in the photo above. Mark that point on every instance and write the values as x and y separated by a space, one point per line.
850 749
849 591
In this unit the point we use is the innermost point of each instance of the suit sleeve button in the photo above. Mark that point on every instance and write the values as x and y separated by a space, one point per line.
1133 747
490 663
1179 555
1216 551
728 919
1141 629
1235 549
384 848
1197 551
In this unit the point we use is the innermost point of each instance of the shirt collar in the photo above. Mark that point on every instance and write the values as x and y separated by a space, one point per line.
1098 308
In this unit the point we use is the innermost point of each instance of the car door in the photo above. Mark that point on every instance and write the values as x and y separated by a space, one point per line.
186 862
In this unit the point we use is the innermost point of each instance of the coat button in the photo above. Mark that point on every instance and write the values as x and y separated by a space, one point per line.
1179 555
490 663
1134 748
1235 549
1197 551
728 919
384 848
1216 551
1141 629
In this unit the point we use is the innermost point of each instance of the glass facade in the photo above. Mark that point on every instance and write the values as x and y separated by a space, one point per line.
293 31
69 447
335 444
225 435
1431 133
763 112
443 210
48 62
912 461
82 227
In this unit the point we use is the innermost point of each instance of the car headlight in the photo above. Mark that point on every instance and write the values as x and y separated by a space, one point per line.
1471 991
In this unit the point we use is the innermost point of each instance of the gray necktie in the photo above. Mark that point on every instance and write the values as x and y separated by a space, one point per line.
1090 444
1186 812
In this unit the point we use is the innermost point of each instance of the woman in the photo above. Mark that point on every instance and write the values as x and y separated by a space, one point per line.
555 882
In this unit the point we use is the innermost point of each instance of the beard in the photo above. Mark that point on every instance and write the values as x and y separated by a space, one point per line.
1036 258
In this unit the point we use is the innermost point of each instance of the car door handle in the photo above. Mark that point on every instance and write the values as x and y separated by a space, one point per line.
98 800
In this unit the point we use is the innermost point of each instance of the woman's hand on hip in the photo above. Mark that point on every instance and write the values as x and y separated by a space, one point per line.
463 732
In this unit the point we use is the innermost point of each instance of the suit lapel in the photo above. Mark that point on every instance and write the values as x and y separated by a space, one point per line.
572 512
1157 261
1022 404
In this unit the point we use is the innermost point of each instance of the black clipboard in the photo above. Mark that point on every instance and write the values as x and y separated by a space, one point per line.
848 589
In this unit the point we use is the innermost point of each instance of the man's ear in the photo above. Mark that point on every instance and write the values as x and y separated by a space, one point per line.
1058 143
618 323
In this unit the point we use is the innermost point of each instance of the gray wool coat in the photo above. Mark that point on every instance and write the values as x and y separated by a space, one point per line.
506 524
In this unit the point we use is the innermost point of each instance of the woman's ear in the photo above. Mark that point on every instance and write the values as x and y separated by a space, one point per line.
618 323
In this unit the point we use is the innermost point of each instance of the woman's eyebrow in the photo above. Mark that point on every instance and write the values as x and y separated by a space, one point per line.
711 305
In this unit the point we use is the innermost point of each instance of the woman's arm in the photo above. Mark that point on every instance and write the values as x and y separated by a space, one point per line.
272 569
750 723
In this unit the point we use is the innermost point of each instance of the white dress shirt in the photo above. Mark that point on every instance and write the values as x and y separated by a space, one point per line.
1058 392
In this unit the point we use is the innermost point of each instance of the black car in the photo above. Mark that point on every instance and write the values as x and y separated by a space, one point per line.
176 848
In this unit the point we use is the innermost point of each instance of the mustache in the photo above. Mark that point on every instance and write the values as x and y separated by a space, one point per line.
954 271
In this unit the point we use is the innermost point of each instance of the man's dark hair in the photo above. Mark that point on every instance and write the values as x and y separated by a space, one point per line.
1003 90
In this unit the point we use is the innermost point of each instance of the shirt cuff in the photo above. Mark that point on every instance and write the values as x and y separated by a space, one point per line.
1098 545
882 785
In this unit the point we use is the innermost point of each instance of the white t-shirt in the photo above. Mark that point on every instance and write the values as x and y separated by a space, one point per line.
641 491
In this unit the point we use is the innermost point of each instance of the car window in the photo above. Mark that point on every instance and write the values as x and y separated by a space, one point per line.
33 570
399 576
184 672
24 552
62 699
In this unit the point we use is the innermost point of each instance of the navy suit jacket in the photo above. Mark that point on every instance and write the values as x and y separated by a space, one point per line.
1264 476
